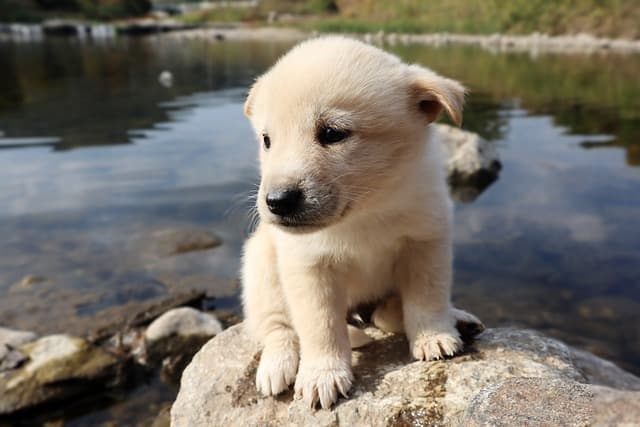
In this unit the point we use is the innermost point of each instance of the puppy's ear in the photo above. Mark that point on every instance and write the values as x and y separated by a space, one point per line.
432 93
248 103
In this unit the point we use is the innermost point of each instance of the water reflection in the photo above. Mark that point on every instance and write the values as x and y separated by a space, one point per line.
94 93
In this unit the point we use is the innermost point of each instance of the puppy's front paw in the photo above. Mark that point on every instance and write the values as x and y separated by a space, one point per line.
277 370
321 380
432 336
433 345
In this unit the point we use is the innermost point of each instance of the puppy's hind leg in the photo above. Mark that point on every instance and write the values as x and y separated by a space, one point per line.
467 324
266 316
388 315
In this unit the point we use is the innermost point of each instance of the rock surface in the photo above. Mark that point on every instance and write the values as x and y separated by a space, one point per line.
506 377
472 162
57 367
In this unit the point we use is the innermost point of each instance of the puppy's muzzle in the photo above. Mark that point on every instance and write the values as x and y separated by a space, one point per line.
285 202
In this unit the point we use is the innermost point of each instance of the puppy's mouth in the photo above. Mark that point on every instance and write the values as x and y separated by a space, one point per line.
298 226
306 225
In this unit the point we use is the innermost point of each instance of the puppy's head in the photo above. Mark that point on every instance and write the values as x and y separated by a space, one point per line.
336 120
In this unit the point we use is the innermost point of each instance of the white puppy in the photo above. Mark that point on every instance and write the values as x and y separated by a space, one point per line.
353 208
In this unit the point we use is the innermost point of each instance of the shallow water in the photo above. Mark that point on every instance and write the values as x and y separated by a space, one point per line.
96 155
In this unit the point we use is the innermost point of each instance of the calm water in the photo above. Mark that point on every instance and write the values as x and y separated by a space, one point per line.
554 244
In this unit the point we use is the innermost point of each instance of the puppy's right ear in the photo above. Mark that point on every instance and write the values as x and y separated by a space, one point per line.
248 103
434 93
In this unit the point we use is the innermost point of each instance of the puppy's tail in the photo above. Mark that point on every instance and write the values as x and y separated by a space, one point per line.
357 337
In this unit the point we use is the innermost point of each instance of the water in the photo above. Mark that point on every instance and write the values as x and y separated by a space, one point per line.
96 155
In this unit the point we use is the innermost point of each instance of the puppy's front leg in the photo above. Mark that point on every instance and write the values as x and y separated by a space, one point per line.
318 312
266 316
423 272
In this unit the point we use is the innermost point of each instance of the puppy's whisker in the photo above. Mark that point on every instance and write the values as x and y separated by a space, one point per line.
239 201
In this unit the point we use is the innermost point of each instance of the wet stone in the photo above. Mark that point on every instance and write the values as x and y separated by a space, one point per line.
58 367
183 321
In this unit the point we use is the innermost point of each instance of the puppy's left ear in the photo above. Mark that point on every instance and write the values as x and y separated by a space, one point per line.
248 103
432 93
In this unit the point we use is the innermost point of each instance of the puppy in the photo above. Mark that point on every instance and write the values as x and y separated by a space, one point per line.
353 208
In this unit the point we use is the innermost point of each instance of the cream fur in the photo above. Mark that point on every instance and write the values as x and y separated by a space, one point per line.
383 219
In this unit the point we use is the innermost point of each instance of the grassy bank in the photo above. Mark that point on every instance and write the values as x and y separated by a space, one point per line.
607 18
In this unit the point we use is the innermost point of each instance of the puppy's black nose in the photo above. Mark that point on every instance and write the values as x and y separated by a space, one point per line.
284 202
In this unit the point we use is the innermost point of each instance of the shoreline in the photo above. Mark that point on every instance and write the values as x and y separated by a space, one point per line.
533 43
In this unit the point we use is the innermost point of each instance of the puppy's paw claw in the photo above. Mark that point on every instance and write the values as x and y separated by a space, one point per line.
436 345
276 371
322 381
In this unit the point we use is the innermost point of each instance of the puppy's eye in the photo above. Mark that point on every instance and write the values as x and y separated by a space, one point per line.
329 135
266 141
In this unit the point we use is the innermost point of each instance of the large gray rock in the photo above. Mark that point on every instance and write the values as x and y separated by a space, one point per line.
506 377
57 367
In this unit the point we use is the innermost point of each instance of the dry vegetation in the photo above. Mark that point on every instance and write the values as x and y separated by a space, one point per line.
610 18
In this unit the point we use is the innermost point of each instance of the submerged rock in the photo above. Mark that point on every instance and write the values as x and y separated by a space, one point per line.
506 377
165 78
26 283
472 162
58 367
174 241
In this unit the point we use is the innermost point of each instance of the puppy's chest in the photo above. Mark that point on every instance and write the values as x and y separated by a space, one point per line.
367 273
